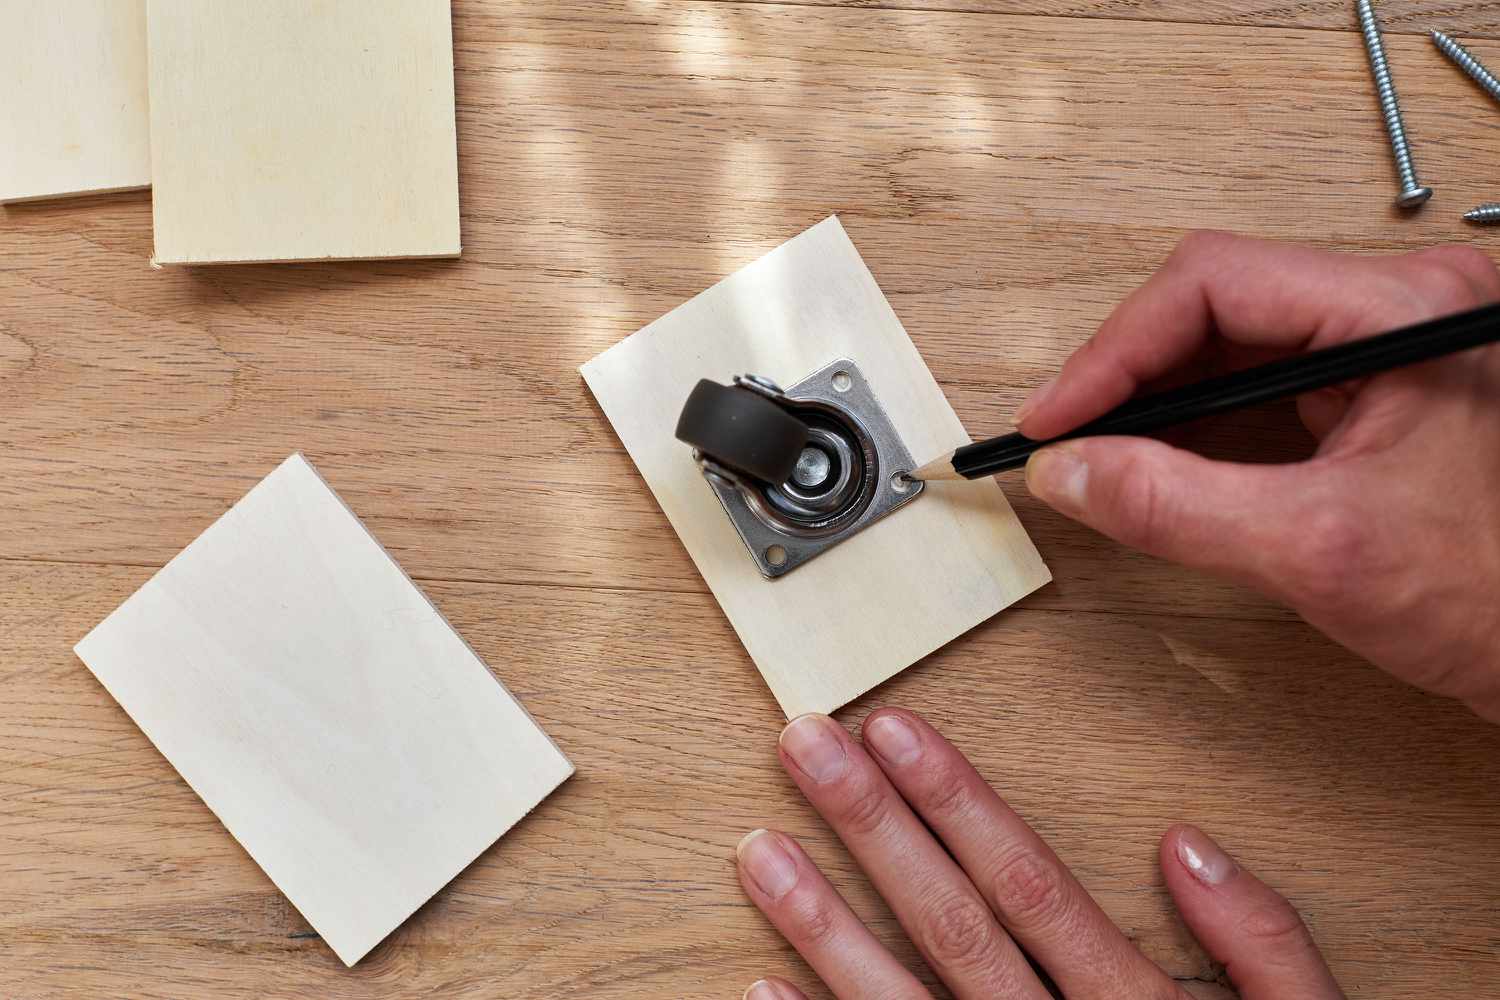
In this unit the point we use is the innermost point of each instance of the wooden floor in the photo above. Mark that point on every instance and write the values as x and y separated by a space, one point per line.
1009 168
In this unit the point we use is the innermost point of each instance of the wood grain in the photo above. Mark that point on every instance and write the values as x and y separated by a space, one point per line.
1396 16
1008 179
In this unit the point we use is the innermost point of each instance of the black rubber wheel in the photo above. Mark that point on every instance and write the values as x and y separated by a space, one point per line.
743 430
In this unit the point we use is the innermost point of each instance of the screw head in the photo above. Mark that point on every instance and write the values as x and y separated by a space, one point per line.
1413 197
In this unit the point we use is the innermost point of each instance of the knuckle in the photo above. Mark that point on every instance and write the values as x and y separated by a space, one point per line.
1030 891
945 794
1141 510
1201 250
1336 547
814 920
958 931
1468 262
1450 277
865 809
1276 926
1447 286
1201 241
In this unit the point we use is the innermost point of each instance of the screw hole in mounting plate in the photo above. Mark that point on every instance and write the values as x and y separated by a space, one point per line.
842 381
900 483
776 555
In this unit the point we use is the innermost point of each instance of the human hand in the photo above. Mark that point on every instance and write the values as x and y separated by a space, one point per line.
975 886
1388 539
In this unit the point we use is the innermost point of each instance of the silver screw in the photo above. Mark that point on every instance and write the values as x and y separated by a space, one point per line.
1412 193
1466 62
1487 214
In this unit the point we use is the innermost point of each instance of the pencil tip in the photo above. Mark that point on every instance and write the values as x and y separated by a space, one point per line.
938 468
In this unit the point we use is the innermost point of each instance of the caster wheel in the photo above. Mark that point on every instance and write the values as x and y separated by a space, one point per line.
742 430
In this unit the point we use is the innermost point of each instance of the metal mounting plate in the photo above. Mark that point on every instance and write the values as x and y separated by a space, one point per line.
839 384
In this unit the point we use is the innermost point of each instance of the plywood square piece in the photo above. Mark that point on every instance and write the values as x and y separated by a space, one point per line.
323 709
288 130
832 629
72 98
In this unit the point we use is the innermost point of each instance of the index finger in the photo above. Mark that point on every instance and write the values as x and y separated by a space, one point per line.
1252 292
1039 901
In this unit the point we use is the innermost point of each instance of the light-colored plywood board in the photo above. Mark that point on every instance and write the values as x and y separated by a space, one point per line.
284 130
72 98
324 710
863 611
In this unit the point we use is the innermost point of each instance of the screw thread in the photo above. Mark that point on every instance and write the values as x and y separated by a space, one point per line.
1385 87
1466 62
1487 214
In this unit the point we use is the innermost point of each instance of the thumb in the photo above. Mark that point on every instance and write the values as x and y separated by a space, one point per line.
1236 520
1261 940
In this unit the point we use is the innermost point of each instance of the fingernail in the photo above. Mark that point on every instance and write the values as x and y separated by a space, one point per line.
1205 859
1060 477
767 863
1029 406
761 990
894 739
813 743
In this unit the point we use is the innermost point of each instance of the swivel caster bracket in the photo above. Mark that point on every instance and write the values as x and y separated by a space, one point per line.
812 486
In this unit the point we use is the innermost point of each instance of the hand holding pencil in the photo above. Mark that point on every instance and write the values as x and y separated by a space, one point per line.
1299 374
1386 537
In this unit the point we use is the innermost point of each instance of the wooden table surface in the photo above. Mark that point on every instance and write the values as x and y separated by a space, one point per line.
1010 169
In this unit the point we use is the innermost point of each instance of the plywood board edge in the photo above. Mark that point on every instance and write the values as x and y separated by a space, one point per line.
78 650
351 960
298 456
32 199
159 262
1030 586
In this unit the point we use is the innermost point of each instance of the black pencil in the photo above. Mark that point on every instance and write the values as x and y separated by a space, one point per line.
1278 380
